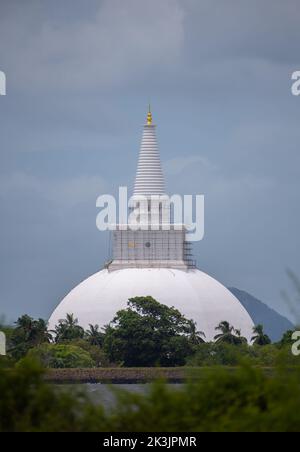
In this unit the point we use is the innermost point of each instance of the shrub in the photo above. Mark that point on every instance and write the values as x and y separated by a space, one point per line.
212 354
97 353
61 356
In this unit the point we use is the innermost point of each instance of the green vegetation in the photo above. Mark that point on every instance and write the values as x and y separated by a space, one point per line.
28 333
229 335
148 333
68 329
96 353
260 338
94 336
61 356
287 338
221 401
238 388
28 404
145 334
212 354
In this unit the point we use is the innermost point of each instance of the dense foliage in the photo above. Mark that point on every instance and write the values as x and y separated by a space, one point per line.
28 404
146 334
229 335
260 338
28 333
149 333
212 354
68 329
62 356
256 388
244 400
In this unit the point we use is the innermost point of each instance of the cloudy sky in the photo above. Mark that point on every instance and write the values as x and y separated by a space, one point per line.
79 77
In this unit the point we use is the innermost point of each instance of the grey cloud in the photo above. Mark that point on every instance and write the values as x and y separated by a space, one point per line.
79 77
122 40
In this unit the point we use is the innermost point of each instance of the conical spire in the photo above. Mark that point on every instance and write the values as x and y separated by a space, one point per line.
149 177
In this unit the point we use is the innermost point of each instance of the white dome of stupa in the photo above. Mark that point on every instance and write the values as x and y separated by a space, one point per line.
194 293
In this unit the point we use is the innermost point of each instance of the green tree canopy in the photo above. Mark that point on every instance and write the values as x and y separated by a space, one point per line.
260 338
27 334
229 335
149 333
287 338
94 336
68 329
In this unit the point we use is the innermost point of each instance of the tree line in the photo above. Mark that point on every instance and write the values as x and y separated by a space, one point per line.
146 333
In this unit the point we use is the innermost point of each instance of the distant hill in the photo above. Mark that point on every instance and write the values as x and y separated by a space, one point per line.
274 324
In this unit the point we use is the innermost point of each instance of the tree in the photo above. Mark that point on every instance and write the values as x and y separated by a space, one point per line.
149 333
260 338
68 329
35 331
27 334
239 338
229 335
94 336
287 339
196 337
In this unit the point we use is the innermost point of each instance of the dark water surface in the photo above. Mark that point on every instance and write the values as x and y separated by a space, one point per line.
104 394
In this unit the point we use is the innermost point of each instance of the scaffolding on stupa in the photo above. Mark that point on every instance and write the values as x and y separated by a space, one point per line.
151 247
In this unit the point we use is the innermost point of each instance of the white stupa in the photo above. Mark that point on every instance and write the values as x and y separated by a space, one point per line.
156 263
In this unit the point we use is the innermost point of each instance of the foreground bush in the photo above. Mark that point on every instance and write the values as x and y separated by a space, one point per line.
243 400
27 404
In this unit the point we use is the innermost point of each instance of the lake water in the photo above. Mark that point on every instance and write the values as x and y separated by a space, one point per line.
104 394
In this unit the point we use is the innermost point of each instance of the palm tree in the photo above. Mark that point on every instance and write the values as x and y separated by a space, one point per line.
287 338
94 336
228 334
68 329
196 337
27 334
240 339
34 332
260 337
40 333
24 326
70 321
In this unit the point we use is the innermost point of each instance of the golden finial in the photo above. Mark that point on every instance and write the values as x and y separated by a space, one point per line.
149 116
